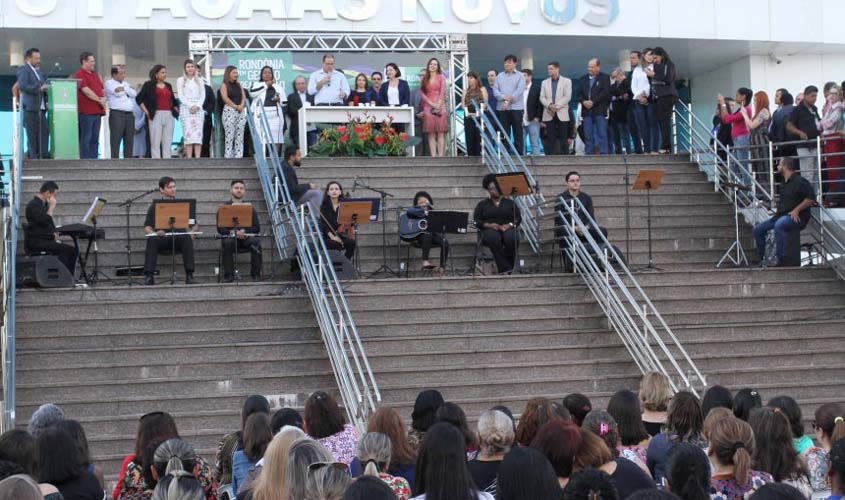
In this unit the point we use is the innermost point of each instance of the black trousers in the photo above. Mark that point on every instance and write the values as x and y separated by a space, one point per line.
207 130
121 129
665 109
563 242
512 123
251 245
428 240
65 253
164 245
557 133
37 134
472 136
503 247
348 246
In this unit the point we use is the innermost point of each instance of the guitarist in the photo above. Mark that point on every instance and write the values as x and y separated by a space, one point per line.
424 239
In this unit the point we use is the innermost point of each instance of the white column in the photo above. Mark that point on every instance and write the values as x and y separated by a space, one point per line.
526 58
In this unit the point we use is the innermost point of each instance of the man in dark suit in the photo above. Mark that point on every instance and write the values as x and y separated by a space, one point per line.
33 88
207 126
594 92
533 112
295 101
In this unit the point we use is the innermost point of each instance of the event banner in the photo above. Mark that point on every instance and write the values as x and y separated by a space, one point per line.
64 122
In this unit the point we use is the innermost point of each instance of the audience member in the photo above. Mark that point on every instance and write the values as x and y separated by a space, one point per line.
509 90
403 457
716 397
507 411
325 422
369 488
475 93
602 424
454 415
179 485
620 100
283 417
154 426
684 424
497 218
746 400
537 413
731 448
627 476
832 127
777 491
361 93
91 101
837 470
158 102
555 95
559 441
326 481
591 484
256 437
653 494
803 123
688 472
45 416
76 431
266 93
829 427
190 90
577 404
120 97
758 127
33 88
784 104
495 437
303 453
739 131
168 457
422 417
663 84
525 474
532 112
434 110
233 99
60 464
270 480
774 451
233 441
22 487
624 407
594 92
18 455
655 395
442 471
714 416
328 86
374 454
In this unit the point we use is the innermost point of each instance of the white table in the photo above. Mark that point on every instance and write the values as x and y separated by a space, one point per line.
342 114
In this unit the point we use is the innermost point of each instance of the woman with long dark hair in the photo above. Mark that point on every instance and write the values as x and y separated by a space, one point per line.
746 400
663 82
361 92
774 451
325 422
684 424
403 458
434 109
624 407
716 397
257 436
475 93
233 96
335 235
442 472
688 472
60 464
525 474
158 102
422 417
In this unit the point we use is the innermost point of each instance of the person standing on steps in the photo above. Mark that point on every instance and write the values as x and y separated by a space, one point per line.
508 91
121 101
158 102
91 101
161 243
190 90
594 91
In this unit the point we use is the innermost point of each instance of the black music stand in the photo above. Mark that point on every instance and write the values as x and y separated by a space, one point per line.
234 218
91 216
445 222
649 180
170 216
353 213
514 184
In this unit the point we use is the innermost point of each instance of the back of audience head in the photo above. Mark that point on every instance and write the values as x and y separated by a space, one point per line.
732 444
156 425
254 404
369 488
374 453
746 400
684 418
495 432
387 421
590 484
303 453
836 459
323 417
172 456
653 494
600 423
559 442
578 406
425 407
257 435
285 417
624 407
441 465
326 481
507 411
716 397
688 472
270 484
790 408
526 474
9 469
19 487
18 446
655 392
829 423
76 431
45 416
774 451
453 414
179 485
777 491
715 415
58 456
593 451
537 413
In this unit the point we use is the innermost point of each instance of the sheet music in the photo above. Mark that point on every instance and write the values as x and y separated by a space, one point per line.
94 210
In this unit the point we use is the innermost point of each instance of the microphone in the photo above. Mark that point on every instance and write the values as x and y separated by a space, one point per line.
56 67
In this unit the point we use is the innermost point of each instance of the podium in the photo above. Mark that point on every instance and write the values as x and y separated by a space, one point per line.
64 119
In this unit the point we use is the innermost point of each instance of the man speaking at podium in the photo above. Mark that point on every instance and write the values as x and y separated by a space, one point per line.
241 237
161 243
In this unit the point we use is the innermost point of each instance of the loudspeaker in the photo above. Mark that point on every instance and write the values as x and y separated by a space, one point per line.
42 271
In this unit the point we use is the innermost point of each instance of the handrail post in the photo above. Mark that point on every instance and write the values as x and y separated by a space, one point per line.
771 173
674 134
819 197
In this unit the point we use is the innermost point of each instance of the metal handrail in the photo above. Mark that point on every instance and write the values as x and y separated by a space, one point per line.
357 385
827 231
501 156
10 224
628 309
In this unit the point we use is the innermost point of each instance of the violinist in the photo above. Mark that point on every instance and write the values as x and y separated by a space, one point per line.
336 236
421 205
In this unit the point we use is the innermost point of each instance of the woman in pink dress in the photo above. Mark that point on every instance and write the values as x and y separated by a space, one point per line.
433 92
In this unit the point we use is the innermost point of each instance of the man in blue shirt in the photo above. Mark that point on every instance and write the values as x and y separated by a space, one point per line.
508 90
328 86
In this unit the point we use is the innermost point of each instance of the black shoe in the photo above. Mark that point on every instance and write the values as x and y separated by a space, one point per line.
189 279
149 280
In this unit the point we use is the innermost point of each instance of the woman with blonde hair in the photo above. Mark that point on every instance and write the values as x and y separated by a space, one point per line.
655 394
270 484
495 438
731 448
374 455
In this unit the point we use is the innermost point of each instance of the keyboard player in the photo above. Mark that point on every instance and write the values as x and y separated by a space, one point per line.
40 234
161 243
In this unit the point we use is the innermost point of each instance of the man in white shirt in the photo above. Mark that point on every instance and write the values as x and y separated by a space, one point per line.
328 86
640 90
120 97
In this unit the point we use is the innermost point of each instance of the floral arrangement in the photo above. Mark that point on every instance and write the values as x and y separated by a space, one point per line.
361 137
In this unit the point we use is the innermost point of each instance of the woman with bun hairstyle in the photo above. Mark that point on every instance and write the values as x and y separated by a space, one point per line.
731 448
495 438
829 425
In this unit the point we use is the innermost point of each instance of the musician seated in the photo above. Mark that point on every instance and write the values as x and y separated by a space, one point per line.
497 218
300 193
40 233
421 205
163 244
240 239
573 190
336 236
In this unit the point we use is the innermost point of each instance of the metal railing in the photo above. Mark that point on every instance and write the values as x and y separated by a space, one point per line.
10 224
356 383
629 311
754 167
500 156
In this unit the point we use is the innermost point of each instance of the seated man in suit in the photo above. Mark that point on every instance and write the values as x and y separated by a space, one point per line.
296 99
161 243
40 233
241 239
573 190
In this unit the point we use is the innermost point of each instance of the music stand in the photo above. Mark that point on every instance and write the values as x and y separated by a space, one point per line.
172 215
234 218
649 180
514 184
444 222
91 216
740 253
353 213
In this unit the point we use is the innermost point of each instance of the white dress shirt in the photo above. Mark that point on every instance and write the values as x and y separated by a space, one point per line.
119 101
639 82
190 91
303 98
330 92
525 104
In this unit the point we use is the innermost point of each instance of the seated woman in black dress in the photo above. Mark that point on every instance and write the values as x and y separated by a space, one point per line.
421 205
333 233
497 218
